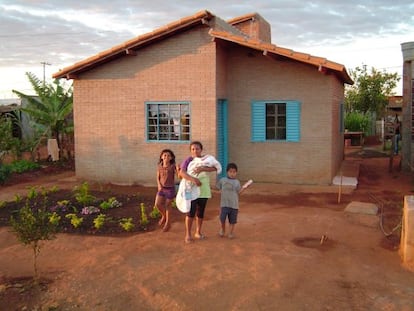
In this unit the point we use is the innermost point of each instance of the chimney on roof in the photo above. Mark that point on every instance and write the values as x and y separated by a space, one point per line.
253 25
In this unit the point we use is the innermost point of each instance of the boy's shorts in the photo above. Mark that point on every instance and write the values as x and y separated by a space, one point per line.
230 213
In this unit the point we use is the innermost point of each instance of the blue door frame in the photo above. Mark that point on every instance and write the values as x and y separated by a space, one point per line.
222 135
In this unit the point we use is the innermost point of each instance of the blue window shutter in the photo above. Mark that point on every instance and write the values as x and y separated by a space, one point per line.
258 121
292 121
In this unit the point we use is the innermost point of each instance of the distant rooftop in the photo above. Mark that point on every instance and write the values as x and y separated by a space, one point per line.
10 101
9 104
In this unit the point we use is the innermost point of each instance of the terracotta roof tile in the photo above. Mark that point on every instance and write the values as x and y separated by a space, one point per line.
198 18
318 62
241 19
119 49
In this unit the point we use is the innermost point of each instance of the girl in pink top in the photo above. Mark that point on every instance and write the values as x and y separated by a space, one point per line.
166 172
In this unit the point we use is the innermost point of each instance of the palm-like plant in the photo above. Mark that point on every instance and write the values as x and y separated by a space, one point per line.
51 108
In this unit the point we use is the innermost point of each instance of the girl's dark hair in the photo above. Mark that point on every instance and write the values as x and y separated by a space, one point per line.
231 166
172 161
196 142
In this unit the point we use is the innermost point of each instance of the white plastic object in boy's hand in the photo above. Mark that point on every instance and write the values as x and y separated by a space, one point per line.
248 183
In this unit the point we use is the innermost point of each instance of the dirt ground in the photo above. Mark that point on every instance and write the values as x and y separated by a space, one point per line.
275 262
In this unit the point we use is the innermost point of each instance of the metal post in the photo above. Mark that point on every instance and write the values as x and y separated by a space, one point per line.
44 71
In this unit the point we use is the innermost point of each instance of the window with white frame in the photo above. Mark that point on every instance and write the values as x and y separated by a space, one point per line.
276 121
168 121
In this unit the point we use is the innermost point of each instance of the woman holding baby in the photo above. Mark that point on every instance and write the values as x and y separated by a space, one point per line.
200 178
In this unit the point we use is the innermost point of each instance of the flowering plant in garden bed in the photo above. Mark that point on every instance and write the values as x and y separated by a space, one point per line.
103 215
87 210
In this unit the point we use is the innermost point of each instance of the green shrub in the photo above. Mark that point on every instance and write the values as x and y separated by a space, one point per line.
144 219
83 196
54 218
110 203
357 122
21 166
99 221
5 172
74 220
155 213
31 227
126 224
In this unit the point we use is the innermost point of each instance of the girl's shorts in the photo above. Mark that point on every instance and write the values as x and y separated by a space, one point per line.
167 192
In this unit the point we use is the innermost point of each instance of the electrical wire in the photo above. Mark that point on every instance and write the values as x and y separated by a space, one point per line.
381 204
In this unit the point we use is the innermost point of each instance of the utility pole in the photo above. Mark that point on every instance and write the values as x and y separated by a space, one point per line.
44 71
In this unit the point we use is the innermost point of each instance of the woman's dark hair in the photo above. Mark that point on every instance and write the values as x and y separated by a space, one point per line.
196 142
172 161
231 166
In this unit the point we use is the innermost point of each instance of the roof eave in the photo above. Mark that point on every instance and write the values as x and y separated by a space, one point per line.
322 64
129 47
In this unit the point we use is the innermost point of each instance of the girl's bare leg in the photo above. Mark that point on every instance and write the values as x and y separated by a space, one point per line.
160 204
167 224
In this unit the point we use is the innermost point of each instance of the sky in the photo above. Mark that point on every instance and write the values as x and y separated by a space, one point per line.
44 36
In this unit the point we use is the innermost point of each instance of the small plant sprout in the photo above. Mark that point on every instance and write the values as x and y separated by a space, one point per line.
63 203
44 191
54 219
83 196
32 193
54 189
126 224
155 213
144 219
2 204
17 198
105 205
114 202
61 206
74 220
99 221
111 203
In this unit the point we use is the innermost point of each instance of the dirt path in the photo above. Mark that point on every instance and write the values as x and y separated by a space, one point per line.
275 262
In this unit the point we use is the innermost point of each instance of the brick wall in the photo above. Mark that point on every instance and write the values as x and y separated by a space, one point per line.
109 111
251 76
257 28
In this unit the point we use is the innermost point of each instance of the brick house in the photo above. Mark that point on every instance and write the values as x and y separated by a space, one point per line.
277 113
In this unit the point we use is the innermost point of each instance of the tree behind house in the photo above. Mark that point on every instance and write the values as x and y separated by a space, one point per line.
370 92
50 109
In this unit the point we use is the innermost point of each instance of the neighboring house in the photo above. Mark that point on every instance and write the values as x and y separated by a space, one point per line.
24 130
384 128
277 113
394 107
11 106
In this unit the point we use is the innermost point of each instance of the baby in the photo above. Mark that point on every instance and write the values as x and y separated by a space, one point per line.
187 190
